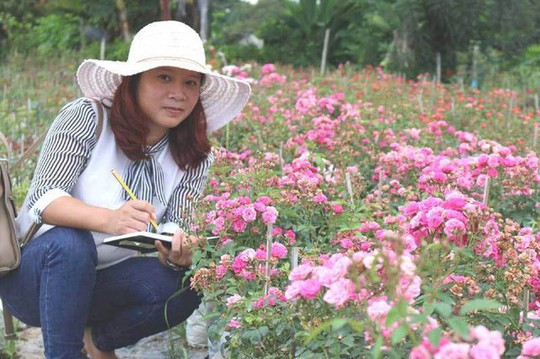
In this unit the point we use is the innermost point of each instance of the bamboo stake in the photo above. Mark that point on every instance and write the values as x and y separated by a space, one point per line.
281 161
325 51
269 229
102 46
294 257
349 187
438 61
420 102
535 134
485 198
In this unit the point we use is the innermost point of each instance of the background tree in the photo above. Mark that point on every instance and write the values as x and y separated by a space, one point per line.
401 35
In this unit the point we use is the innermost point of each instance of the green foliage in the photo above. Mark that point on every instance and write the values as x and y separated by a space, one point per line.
55 33
49 35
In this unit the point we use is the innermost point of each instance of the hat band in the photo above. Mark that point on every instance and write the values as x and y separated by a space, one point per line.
169 58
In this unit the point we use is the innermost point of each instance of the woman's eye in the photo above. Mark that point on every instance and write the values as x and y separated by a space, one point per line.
192 83
164 77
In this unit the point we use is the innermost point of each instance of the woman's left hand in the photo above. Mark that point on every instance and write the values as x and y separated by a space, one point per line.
180 252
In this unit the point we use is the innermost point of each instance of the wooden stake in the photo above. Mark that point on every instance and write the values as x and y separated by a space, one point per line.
535 134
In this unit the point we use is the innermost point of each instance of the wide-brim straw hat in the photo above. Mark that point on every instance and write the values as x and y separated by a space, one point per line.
172 44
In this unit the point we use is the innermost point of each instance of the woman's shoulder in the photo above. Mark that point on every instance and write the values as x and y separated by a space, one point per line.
77 114
80 104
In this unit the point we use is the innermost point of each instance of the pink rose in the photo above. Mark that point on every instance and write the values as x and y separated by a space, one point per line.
270 215
260 254
300 272
249 214
291 236
233 299
434 218
337 208
454 228
419 352
292 291
239 225
454 351
279 250
267 201
339 292
484 350
268 68
221 271
233 324
378 309
309 288
531 347
238 265
320 198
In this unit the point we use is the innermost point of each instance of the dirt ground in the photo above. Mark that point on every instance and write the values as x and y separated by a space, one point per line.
30 346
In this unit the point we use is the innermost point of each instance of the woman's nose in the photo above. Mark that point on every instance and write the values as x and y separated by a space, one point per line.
178 93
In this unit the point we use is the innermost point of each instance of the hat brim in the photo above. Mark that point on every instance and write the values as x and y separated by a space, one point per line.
222 97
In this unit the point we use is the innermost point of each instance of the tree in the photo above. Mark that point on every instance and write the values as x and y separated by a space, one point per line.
165 6
122 14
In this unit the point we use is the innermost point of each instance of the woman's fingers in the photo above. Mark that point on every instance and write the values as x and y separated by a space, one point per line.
180 253
163 252
133 216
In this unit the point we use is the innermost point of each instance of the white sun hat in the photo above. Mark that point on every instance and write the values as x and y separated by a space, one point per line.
172 44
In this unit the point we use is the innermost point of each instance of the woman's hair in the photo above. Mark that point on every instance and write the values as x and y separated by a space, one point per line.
188 141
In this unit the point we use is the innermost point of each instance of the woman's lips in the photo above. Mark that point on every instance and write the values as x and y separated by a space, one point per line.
173 110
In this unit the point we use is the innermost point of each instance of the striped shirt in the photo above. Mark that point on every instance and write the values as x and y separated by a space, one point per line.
73 157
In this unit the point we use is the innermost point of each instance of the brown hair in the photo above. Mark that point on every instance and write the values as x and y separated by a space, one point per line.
188 141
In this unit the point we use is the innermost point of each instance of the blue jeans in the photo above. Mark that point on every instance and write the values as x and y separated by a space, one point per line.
58 288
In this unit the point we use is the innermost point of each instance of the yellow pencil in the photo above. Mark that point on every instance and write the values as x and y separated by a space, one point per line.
121 181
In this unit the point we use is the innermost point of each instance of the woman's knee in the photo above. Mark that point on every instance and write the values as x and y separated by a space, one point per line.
71 245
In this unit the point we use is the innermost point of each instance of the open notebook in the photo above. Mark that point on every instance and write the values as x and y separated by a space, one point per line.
143 242
140 241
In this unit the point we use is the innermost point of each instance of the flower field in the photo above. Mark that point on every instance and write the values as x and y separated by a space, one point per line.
359 214
362 215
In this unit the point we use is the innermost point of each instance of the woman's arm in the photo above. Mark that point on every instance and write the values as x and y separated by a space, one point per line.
71 212
66 151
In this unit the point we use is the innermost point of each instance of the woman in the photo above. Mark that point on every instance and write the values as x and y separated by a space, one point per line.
159 107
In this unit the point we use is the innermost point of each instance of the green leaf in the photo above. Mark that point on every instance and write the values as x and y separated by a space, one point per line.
264 330
376 351
444 309
429 307
392 316
479 304
435 336
460 326
339 323
398 334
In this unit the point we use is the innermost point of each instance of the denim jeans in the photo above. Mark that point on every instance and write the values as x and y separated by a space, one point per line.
58 288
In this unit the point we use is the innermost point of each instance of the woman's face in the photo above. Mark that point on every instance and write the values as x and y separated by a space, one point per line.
167 95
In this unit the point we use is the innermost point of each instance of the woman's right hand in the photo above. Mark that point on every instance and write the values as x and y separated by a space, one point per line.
133 216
